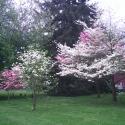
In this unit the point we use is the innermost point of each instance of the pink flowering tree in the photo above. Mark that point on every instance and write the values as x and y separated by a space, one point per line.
11 80
92 57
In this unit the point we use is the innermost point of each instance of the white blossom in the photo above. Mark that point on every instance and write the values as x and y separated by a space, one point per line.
35 65
93 56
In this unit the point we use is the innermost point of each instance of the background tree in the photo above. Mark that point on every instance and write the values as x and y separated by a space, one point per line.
41 30
114 35
6 18
65 17
12 37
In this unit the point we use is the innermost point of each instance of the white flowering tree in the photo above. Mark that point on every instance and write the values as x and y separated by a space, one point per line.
35 66
92 57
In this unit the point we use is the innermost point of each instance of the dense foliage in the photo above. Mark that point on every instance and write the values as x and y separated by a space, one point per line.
12 33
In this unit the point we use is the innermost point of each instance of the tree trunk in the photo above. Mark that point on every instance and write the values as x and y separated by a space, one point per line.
114 94
34 97
8 98
98 89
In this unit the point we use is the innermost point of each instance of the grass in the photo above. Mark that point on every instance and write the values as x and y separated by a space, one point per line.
83 110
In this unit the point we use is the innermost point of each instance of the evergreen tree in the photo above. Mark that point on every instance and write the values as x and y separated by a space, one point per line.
65 14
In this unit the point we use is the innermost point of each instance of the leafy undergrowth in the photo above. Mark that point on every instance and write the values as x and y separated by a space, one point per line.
83 110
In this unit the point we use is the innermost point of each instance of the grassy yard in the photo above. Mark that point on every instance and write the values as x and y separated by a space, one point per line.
84 110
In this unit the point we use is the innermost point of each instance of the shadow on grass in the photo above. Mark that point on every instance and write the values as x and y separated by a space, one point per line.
90 101
14 95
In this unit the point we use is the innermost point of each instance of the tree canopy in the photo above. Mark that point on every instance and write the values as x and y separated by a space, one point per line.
64 15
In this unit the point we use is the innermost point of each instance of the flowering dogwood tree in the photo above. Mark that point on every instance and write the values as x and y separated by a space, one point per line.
35 67
11 80
92 57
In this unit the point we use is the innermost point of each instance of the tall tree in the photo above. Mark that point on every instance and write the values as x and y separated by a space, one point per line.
65 14
12 35
7 16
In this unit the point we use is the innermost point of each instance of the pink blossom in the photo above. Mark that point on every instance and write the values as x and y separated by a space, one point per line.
63 59
60 58
84 37
11 80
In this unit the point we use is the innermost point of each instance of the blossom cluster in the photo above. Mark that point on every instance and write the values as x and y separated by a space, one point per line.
34 65
93 56
11 80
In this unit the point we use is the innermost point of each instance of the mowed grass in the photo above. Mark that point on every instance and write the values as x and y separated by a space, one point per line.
83 110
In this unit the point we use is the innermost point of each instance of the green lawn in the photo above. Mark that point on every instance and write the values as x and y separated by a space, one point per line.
84 110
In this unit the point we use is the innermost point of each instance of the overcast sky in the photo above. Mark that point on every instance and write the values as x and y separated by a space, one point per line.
115 7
